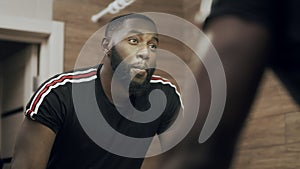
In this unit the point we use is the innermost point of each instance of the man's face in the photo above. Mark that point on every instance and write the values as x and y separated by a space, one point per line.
135 44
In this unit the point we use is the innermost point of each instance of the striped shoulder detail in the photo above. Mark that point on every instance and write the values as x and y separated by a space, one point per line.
62 79
159 79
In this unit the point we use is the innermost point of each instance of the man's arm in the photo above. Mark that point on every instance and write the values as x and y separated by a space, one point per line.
33 146
242 49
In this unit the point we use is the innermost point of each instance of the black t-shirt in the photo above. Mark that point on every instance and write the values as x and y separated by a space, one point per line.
282 19
62 99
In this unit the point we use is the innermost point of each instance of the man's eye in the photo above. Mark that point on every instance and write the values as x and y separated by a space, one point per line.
153 46
133 40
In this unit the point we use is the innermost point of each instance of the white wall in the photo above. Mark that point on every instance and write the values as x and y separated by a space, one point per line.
35 9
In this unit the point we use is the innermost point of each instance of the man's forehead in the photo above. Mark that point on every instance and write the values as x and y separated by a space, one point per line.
139 32
138 26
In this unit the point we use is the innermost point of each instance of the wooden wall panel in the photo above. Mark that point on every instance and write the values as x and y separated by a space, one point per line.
271 136
190 7
284 156
272 98
78 27
264 132
293 127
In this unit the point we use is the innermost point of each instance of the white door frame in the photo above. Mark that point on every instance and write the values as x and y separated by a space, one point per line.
49 34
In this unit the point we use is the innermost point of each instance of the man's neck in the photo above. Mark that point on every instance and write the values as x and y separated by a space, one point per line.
106 74
106 77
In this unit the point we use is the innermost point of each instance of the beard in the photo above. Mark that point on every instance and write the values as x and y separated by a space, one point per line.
124 76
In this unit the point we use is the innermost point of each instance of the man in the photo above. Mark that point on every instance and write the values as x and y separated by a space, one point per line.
248 35
52 135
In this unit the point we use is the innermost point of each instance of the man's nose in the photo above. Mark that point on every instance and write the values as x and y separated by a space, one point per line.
143 53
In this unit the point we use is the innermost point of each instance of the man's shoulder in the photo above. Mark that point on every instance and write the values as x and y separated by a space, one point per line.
81 73
58 88
164 83
61 84
73 76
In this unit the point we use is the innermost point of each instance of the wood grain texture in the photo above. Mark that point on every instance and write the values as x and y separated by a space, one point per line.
293 127
271 135
286 156
272 98
78 27
264 132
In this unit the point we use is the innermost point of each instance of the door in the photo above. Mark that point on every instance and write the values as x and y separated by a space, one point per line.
17 73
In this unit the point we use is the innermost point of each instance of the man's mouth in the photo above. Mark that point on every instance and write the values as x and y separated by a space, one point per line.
139 72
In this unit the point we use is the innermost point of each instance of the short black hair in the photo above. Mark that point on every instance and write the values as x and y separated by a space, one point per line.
115 23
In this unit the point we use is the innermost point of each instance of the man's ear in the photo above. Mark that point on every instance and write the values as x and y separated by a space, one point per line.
105 45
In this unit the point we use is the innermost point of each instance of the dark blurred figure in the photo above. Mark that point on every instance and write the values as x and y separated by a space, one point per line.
1 161
249 36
